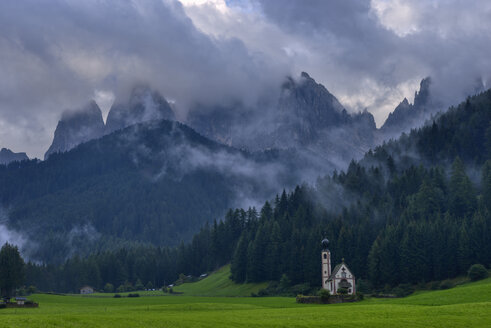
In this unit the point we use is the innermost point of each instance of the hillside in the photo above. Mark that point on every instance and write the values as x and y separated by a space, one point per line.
156 183
219 284
404 214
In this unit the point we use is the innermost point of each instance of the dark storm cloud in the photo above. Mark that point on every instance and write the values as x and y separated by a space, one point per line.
391 42
56 54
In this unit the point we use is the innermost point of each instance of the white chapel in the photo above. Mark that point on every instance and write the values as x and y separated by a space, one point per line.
340 277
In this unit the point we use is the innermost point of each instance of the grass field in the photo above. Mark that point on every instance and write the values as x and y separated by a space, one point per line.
219 284
464 306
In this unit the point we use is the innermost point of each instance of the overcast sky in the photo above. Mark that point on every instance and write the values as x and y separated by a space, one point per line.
58 54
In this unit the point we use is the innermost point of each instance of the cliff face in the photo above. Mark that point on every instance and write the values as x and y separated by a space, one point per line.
7 156
82 125
407 116
76 127
305 116
143 105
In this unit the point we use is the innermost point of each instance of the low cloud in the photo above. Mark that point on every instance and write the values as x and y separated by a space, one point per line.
369 53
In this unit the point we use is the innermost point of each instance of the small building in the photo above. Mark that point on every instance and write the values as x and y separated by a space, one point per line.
86 290
340 277
20 300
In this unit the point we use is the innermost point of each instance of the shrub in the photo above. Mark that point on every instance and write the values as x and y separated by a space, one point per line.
360 296
263 292
31 289
285 282
108 288
117 296
403 290
301 289
446 284
363 286
342 291
477 272
324 294
3 305
434 285
139 285
134 295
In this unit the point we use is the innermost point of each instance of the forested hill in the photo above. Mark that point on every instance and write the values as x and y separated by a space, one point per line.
463 131
407 213
154 183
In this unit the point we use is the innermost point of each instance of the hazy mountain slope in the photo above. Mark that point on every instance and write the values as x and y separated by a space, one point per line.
76 127
155 182
305 117
143 105
407 116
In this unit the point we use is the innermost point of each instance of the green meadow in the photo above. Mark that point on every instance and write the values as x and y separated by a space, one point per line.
468 305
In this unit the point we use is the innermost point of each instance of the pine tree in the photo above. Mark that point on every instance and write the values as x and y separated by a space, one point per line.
238 267
11 269
462 198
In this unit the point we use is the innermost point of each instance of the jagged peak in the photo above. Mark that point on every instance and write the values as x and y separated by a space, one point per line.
421 97
90 108
305 75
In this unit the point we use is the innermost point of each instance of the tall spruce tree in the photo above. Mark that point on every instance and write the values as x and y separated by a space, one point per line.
11 270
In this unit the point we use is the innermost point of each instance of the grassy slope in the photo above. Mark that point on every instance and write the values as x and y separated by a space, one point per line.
219 284
465 306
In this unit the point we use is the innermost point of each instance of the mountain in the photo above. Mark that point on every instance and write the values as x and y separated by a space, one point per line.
143 105
76 127
82 125
416 210
155 182
305 117
7 156
407 116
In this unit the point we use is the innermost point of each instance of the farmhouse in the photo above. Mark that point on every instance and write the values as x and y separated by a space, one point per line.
340 278
86 290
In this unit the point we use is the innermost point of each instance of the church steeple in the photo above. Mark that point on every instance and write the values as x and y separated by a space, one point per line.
326 263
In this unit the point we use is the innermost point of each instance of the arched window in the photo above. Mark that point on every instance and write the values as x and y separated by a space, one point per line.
325 255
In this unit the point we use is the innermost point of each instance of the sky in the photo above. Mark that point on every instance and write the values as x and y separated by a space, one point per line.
59 54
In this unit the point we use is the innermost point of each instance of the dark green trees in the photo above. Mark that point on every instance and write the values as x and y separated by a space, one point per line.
11 270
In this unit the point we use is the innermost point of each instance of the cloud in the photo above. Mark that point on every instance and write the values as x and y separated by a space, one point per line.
7 235
369 53
58 54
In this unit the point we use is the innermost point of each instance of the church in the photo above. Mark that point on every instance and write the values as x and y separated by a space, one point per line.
340 277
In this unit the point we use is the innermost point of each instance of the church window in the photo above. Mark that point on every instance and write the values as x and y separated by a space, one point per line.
325 255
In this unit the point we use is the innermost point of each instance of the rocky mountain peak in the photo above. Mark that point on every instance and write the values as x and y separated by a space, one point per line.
422 97
406 116
143 105
76 127
7 156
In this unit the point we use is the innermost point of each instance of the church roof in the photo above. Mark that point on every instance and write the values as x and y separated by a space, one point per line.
337 268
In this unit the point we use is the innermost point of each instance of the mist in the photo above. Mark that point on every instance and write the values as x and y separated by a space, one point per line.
370 54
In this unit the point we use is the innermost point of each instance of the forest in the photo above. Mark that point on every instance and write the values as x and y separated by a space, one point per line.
413 210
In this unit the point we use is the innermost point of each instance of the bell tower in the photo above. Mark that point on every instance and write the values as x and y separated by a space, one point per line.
326 264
